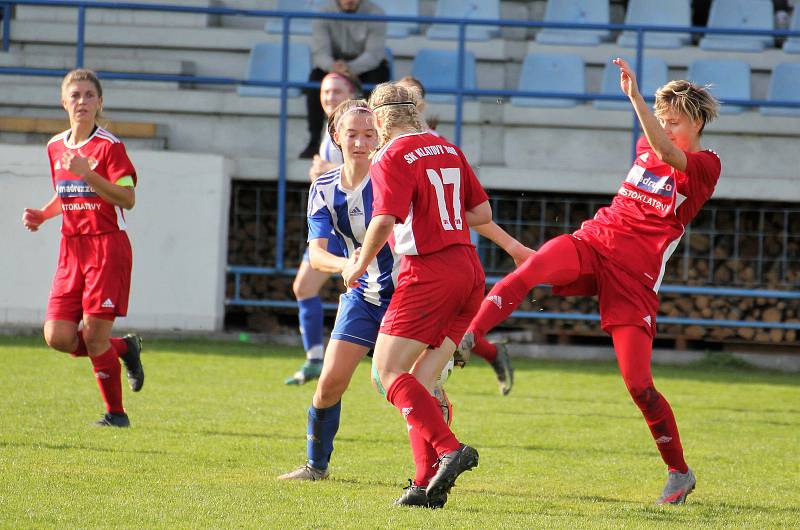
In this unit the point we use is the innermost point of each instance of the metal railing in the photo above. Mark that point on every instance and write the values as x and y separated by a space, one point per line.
284 84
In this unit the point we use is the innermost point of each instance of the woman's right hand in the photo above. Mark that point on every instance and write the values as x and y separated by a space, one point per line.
32 219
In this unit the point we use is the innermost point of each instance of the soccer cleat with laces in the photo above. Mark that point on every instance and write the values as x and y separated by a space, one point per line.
464 350
414 495
451 465
133 361
308 372
503 369
306 472
678 487
113 419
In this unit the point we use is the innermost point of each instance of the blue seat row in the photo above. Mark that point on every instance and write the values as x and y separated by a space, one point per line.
543 72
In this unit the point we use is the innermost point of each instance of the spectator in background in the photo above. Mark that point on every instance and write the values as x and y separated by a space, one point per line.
349 47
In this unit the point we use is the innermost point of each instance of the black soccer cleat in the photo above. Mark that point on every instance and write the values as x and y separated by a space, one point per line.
503 369
113 419
414 495
451 465
133 361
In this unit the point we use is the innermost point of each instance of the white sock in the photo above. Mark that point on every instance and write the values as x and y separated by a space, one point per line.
316 353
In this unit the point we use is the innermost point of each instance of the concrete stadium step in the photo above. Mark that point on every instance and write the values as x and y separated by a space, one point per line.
33 130
122 16
149 144
35 56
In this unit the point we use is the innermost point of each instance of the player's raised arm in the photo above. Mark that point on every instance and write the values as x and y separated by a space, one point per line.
657 137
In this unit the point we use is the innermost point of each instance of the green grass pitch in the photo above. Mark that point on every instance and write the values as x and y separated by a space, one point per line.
214 425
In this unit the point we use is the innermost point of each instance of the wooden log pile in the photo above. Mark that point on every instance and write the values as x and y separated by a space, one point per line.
757 249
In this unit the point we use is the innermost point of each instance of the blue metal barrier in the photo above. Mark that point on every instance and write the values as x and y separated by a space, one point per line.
460 92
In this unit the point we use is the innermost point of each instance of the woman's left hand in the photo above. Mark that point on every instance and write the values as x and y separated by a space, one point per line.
627 78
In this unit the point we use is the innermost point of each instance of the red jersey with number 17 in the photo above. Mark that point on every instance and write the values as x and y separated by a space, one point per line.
646 220
84 211
428 185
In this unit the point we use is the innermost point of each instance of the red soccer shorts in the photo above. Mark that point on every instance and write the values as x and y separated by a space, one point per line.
93 277
624 301
436 297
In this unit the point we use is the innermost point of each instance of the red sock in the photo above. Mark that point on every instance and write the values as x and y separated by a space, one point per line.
81 351
424 457
556 262
634 348
121 345
107 371
421 413
484 348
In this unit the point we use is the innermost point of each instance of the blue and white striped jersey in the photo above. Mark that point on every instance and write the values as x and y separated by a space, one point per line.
348 213
328 150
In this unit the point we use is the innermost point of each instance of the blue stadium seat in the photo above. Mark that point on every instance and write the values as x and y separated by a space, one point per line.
784 86
465 9
297 26
657 13
654 76
792 44
264 64
405 8
739 14
729 79
551 72
439 68
574 11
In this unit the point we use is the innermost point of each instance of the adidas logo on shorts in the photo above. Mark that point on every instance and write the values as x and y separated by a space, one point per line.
108 303
406 411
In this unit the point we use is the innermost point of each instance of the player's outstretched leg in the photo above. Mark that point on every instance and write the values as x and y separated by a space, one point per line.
678 487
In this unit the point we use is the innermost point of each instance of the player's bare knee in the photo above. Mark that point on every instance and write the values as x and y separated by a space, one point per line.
96 341
59 341
328 394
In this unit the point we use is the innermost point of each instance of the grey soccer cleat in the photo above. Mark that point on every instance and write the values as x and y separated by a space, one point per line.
414 495
133 361
451 465
113 419
308 372
306 472
503 369
678 487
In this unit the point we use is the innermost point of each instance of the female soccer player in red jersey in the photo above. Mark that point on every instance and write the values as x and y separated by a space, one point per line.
620 255
93 180
424 185
494 354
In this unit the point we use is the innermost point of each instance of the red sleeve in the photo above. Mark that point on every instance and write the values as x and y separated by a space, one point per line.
391 188
702 171
50 157
118 164
474 194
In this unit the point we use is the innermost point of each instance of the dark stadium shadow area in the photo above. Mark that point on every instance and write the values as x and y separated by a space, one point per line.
80 447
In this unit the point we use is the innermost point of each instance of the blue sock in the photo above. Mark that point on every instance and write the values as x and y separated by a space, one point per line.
322 427
310 316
